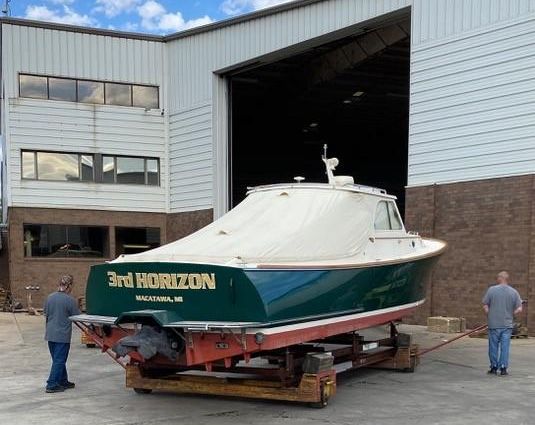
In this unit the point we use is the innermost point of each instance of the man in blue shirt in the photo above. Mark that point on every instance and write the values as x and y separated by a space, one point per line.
501 303
58 307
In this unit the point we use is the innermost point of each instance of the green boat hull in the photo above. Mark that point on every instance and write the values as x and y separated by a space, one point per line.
180 292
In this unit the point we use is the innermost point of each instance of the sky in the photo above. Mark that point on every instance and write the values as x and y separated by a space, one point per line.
146 16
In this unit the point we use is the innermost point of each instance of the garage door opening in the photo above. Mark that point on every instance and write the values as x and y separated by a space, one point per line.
352 94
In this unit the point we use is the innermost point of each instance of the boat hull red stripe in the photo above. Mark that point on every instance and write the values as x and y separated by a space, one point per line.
206 347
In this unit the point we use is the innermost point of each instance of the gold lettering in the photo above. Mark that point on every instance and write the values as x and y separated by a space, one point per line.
166 282
171 281
141 280
208 281
153 281
182 283
112 279
195 281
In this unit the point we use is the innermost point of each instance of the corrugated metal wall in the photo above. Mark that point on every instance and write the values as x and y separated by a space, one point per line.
193 60
439 19
472 105
73 54
71 127
190 159
52 125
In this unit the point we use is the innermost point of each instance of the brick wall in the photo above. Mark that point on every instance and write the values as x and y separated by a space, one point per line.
45 271
182 224
489 227
4 261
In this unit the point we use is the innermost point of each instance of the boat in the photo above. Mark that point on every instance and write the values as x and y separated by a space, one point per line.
291 263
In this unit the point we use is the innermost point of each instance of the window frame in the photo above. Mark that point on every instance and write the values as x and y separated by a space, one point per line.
35 164
76 80
145 170
120 228
98 164
106 245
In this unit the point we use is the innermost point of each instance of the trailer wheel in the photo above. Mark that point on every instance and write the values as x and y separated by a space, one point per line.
142 390
325 394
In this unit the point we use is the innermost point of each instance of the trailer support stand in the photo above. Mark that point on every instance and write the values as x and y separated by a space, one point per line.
312 388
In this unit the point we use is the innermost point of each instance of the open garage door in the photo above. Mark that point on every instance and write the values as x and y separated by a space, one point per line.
352 94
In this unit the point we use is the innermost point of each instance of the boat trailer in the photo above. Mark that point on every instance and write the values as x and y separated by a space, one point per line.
303 372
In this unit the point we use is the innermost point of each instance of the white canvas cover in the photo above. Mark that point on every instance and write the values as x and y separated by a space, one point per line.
279 225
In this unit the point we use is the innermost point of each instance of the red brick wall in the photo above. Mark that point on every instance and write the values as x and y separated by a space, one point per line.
4 261
489 227
182 224
46 271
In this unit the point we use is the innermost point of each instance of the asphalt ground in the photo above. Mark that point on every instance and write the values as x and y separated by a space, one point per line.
450 386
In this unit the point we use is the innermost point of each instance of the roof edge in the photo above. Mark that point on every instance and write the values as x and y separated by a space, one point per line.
79 29
158 38
241 18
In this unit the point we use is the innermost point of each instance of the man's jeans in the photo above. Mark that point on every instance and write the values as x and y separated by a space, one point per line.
58 372
499 341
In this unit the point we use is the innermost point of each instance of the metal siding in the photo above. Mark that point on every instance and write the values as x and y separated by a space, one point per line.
437 19
71 127
195 58
472 104
190 159
193 61
77 55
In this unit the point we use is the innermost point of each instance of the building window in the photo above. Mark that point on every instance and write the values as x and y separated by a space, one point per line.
131 240
65 166
57 166
118 94
88 91
62 89
33 86
145 96
29 165
130 170
59 241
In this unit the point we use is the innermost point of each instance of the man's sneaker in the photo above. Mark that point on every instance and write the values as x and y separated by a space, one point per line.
56 389
68 385
493 371
503 371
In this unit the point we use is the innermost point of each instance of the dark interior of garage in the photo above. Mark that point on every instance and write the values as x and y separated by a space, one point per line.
352 94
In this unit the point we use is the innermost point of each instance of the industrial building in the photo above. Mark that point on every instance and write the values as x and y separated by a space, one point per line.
117 142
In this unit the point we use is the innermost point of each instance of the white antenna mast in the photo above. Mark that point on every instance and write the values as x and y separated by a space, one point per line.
330 165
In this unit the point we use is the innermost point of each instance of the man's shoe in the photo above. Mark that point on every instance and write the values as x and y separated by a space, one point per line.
56 389
68 385
503 371
493 371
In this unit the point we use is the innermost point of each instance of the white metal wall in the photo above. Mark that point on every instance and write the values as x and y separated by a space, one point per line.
194 59
472 106
71 127
51 125
73 54
190 158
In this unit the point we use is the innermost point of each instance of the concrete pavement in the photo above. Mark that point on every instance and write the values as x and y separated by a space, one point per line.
450 386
